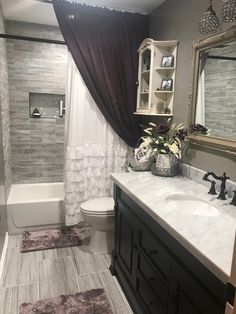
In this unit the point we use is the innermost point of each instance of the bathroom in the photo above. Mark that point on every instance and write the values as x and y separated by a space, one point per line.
40 169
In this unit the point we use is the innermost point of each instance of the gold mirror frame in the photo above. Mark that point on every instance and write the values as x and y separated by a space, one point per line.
200 45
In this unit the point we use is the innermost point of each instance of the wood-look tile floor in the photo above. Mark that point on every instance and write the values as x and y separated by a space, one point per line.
38 275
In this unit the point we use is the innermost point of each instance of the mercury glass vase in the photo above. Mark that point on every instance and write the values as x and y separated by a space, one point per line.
167 165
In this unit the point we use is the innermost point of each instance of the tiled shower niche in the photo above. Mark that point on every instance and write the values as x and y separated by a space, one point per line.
49 106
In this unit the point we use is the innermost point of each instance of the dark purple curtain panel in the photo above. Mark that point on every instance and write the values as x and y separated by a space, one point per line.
104 46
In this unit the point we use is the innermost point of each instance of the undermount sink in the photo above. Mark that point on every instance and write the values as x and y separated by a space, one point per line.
191 204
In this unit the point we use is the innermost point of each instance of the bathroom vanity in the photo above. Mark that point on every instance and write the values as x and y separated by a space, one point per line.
173 245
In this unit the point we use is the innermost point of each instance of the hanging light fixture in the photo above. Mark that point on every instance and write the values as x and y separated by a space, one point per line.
228 13
209 23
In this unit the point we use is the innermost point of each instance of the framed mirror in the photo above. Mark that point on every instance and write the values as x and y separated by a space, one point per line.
213 93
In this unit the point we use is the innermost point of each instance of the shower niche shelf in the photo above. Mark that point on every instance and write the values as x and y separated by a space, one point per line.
46 106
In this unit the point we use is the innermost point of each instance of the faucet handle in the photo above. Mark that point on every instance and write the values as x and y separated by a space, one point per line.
212 190
233 202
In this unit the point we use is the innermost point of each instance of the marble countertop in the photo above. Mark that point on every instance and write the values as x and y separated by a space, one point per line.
209 236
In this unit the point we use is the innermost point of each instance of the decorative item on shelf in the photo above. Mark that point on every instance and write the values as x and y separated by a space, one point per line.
166 85
167 111
36 113
228 13
160 107
198 129
167 61
209 23
146 63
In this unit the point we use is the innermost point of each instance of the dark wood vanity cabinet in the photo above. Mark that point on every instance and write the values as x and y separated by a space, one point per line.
157 274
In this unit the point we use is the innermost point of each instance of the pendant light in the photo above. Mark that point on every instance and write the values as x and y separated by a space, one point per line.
209 23
228 13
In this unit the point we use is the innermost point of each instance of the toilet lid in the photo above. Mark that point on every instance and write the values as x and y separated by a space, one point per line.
98 205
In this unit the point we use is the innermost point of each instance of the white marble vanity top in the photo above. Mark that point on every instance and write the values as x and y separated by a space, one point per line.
208 235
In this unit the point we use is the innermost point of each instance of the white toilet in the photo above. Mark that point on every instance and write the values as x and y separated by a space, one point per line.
99 213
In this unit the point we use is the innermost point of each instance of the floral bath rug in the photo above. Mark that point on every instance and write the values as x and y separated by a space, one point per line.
51 239
89 302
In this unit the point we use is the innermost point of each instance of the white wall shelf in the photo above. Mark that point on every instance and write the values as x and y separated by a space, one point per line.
152 97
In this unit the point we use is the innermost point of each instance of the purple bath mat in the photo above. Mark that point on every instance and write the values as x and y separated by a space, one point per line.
50 239
89 302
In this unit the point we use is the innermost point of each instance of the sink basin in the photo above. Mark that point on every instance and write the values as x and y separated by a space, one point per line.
191 204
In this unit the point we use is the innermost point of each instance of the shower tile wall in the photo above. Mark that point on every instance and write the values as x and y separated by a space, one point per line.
37 144
4 112
220 94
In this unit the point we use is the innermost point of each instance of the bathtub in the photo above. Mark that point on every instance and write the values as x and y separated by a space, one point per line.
35 206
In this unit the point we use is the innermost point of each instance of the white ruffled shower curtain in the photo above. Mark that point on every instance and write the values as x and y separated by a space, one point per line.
92 149
200 109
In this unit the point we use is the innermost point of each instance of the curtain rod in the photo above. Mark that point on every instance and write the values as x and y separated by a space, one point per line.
45 1
42 40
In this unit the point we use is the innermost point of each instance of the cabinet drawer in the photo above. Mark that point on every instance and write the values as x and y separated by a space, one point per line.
156 253
154 282
147 297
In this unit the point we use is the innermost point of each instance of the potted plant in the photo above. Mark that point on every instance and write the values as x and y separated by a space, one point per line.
164 141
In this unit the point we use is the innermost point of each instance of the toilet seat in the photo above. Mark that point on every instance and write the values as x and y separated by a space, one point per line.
99 206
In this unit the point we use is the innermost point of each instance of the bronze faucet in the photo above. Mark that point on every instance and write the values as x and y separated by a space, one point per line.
212 190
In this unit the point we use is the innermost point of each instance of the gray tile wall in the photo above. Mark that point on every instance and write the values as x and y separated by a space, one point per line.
4 109
220 95
37 144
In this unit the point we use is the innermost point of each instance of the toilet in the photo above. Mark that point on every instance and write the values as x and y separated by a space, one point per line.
99 213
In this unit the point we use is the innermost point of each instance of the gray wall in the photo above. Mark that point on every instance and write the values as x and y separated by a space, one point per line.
179 20
4 135
4 108
37 144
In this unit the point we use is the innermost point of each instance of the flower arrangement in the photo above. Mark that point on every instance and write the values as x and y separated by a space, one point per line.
163 139
198 129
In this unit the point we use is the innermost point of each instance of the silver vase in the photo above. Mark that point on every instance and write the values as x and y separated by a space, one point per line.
167 165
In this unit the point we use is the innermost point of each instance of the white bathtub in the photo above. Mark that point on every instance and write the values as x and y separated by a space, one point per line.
35 206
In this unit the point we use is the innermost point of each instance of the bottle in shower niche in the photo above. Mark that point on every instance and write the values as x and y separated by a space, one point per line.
61 108
36 113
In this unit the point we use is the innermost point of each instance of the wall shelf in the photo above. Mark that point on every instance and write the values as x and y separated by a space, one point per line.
154 114
151 73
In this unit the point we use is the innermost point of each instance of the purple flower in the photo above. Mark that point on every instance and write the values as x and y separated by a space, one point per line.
161 129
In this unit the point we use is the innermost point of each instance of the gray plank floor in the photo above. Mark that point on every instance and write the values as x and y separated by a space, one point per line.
38 275
2 238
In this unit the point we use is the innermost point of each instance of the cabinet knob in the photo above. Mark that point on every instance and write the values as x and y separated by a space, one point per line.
153 252
137 83
150 303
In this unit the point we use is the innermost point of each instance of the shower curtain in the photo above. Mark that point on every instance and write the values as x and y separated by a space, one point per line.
200 109
92 149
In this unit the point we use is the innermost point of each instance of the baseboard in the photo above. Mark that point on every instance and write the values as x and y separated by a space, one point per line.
4 251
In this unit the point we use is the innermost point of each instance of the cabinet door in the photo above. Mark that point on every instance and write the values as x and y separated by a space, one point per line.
126 232
150 287
188 296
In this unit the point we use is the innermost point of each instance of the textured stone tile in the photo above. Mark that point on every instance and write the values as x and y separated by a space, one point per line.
19 269
56 276
85 262
52 254
113 292
35 67
4 110
11 298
